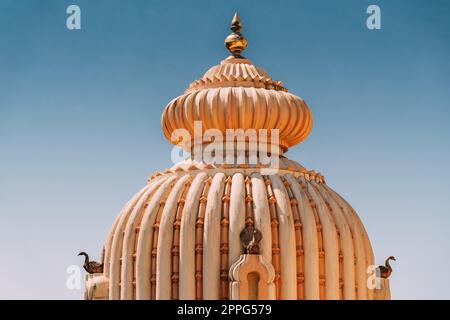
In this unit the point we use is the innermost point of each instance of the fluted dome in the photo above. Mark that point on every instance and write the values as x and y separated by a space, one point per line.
178 236
203 230
238 95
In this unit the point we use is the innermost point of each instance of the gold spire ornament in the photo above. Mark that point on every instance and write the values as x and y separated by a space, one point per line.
236 43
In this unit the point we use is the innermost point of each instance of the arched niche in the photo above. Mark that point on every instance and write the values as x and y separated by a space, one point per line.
252 279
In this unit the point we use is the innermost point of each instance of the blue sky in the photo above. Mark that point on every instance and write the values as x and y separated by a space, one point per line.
80 120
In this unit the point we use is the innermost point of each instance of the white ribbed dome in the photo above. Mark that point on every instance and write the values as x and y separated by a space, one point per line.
178 237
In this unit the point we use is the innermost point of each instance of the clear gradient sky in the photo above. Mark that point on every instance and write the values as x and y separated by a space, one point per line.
80 120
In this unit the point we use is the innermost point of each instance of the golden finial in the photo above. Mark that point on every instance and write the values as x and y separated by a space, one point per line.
236 43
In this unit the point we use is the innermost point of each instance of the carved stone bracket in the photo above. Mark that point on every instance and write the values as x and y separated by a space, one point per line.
97 286
384 290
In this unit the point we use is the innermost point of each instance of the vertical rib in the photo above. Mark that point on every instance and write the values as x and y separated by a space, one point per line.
237 217
287 241
187 235
274 235
163 241
224 224
211 239
298 240
199 226
145 241
116 247
176 242
310 240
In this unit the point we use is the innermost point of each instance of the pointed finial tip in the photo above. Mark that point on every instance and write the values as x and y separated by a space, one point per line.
236 21
236 43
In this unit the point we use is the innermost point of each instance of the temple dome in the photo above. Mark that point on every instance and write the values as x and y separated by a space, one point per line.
178 236
233 231
238 95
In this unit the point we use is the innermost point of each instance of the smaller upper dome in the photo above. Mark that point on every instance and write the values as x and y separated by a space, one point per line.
236 94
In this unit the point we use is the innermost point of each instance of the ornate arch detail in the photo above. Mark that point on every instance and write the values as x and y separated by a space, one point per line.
251 278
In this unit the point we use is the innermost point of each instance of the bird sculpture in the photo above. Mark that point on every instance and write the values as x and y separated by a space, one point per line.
386 270
91 266
250 238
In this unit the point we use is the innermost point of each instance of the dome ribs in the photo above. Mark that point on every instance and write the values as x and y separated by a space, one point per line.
199 241
117 246
239 96
155 239
107 257
236 216
359 239
211 238
347 244
261 214
309 234
330 240
274 234
265 202
340 254
142 268
165 239
176 241
286 239
224 228
294 202
128 258
155 248
313 206
298 241
233 73
189 217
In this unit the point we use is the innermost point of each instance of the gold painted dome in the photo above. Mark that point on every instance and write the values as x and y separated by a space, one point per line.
238 95
183 235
